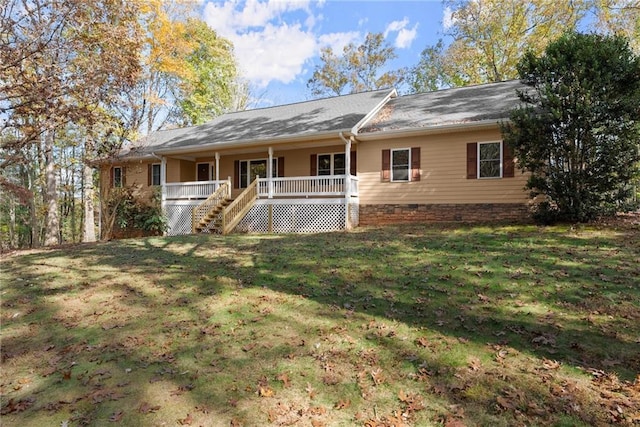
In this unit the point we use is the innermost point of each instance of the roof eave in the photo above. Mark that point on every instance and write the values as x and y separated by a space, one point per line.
249 143
447 128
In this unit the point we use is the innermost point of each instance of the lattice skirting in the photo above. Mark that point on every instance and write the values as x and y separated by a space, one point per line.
287 216
178 216
295 216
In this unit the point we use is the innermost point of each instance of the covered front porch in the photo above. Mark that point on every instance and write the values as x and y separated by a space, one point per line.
319 191
301 204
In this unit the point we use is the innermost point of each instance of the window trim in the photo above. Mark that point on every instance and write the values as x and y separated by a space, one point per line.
500 159
274 171
409 169
159 165
114 183
332 163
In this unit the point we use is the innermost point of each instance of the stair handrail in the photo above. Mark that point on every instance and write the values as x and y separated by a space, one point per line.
200 211
232 214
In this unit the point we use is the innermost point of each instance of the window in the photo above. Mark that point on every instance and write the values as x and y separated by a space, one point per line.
155 174
331 164
400 164
117 176
249 169
489 160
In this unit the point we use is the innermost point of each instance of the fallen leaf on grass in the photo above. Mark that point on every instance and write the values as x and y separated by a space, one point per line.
343 404
249 347
186 421
474 363
377 376
146 408
265 392
483 298
180 390
422 342
116 417
504 403
235 422
544 340
316 423
18 406
310 391
285 379
317 410
550 364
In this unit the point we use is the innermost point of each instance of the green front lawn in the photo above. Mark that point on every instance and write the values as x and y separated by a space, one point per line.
411 325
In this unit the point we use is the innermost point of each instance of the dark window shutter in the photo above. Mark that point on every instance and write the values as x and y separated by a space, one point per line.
149 174
386 166
111 177
354 164
472 160
236 174
280 167
313 165
507 161
415 164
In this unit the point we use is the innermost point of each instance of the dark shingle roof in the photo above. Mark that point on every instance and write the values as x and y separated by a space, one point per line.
447 107
287 121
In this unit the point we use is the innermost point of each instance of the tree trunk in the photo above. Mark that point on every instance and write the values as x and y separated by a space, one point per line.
12 223
89 234
72 195
29 179
52 220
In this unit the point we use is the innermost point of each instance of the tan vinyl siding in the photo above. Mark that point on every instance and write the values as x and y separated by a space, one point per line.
136 174
296 162
187 171
443 177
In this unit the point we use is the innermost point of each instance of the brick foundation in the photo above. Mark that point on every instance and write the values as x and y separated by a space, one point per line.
486 212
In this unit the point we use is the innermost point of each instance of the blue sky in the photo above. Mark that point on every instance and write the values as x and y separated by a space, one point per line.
277 42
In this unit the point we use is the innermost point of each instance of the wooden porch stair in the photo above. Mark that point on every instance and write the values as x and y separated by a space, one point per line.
219 213
213 220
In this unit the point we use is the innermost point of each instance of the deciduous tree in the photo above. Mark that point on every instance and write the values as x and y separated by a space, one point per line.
489 37
579 131
359 68
188 75
62 60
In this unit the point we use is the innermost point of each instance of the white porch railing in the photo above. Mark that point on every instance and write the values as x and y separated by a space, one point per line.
307 186
297 186
192 190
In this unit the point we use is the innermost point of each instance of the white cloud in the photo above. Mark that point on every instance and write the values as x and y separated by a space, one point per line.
275 53
396 26
448 20
266 47
405 35
337 41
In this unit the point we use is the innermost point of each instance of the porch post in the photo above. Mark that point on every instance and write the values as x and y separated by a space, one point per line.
163 184
217 168
347 182
270 173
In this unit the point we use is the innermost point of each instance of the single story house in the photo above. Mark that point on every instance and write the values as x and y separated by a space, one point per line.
335 163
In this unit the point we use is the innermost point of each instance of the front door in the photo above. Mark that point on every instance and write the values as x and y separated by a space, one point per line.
203 172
